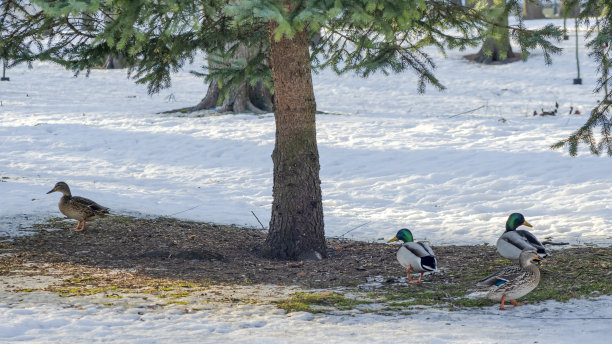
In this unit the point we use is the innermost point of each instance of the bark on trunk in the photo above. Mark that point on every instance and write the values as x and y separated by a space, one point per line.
114 62
242 98
296 226
566 12
500 48
496 48
532 10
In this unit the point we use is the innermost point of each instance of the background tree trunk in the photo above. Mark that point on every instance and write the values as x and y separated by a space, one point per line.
114 62
500 48
296 226
243 98
567 12
532 10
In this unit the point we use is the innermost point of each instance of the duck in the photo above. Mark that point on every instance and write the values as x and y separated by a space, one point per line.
512 242
512 282
415 256
78 208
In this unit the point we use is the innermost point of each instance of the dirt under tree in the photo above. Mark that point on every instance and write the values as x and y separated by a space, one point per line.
169 249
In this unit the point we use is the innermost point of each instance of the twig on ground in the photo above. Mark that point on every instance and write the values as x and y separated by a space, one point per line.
352 229
185 210
463 113
262 226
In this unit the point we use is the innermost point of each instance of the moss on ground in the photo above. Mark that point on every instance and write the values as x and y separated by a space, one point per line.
318 302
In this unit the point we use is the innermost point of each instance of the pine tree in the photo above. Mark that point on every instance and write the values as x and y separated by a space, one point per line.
296 37
600 37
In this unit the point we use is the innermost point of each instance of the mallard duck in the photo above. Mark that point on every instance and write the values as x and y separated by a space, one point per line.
78 208
513 241
512 282
417 256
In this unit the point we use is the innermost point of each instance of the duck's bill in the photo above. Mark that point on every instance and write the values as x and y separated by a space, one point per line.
539 259
392 240
527 224
53 190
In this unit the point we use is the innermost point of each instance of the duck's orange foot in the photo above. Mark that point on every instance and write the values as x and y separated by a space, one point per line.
80 228
516 304
419 281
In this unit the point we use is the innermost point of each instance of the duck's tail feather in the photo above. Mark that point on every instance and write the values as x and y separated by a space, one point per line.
428 263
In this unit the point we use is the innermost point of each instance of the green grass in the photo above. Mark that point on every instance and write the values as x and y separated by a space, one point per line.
176 295
81 290
174 302
318 302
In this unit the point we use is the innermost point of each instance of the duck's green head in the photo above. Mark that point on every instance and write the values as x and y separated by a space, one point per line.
404 235
515 220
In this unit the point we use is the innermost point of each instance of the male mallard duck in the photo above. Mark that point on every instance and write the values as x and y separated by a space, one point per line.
513 241
512 282
414 255
78 208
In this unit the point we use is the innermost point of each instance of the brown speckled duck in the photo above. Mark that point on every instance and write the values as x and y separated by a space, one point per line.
512 282
78 208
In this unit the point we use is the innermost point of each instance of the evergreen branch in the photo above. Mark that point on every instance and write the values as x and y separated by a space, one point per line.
77 31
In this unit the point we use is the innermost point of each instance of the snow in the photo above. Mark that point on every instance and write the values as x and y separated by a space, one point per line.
449 165
546 322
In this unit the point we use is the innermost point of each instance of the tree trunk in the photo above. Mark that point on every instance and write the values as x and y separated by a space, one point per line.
532 9
569 11
114 62
296 226
243 98
497 48
500 49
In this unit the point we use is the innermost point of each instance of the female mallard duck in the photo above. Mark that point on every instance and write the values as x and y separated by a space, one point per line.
78 208
512 282
513 241
414 255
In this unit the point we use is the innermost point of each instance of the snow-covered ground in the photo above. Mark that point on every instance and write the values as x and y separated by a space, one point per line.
26 319
450 165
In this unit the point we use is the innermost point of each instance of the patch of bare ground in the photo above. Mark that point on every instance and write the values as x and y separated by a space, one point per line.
124 252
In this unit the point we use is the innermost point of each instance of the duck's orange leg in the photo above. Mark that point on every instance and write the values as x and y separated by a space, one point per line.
78 226
501 306
516 304
408 273
82 227
420 277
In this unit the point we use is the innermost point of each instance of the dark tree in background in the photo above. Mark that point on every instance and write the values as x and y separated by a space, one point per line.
241 96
